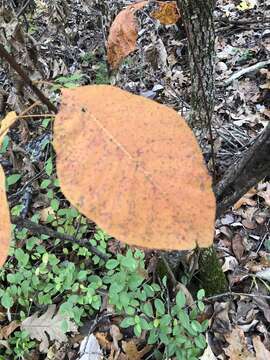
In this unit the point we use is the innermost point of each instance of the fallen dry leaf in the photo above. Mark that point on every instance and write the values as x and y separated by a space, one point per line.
103 341
132 352
265 193
5 331
246 199
90 349
261 352
134 167
220 320
238 246
263 305
123 34
167 13
44 213
116 335
237 349
47 325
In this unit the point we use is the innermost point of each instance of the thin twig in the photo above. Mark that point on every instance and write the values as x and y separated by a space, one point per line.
169 270
231 293
24 6
5 55
242 21
38 229
244 71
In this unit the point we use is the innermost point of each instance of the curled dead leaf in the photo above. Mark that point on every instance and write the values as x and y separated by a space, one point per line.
238 246
123 34
5 331
237 349
261 352
246 199
134 167
132 353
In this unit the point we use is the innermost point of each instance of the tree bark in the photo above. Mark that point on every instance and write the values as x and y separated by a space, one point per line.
197 16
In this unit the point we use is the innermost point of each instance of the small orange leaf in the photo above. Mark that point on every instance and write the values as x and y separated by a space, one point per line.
134 167
132 353
123 34
10 118
167 13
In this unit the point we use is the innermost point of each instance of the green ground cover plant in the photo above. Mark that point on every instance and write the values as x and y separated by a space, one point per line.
42 271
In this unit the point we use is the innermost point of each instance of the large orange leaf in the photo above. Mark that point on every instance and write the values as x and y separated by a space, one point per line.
5 225
134 167
123 34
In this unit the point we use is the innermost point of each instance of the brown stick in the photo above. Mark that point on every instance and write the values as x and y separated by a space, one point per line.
5 55
38 229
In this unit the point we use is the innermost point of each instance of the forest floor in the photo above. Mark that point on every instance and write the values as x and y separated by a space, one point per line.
63 44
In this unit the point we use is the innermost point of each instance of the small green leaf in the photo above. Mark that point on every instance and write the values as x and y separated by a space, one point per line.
205 325
184 319
129 321
201 306
49 167
200 294
160 308
55 204
180 299
45 258
200 341
4 145
112 264
45 183
137 330
155 287
130 310
45 122
124 299
144 324
130 263
164 338
22 257
12 179
7 301
196 326
148 309
165 320
153 337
